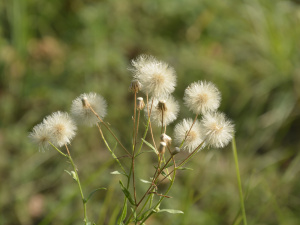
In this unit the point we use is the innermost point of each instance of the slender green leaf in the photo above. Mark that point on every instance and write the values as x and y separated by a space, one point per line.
143 152
173 211
93 192
68 172
146 181
149 145
118 173
124 213
165 175
184 168
127 193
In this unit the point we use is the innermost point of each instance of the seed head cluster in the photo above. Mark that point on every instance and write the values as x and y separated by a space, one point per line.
57 128
157 80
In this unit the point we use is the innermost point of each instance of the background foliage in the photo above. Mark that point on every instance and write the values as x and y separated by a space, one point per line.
52 51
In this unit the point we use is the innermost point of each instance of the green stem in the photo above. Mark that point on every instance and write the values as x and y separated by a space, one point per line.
77 179
79 185
234 151
112 153
60 152
107 127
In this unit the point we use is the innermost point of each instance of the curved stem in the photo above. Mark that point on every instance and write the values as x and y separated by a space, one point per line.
149 114
79 185
107 127
112 153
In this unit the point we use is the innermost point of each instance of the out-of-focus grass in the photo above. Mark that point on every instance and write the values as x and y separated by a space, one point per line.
52 51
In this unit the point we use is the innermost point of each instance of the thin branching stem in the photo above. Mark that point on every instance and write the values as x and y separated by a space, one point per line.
162 121
149 114
165 194
133 151
184 161
187 133
107 127
108 147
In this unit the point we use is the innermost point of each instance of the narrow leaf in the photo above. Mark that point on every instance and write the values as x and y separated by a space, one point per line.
149 145
124 213
118 173
165 175
173 211
115 172
68 172
93 192
127 193
184 168
143 152
146 181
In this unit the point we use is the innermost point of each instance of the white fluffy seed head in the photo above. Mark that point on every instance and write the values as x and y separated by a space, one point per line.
170 111
158 79
194 137
217 130
202 97
83 114
61 128
165 138
40 136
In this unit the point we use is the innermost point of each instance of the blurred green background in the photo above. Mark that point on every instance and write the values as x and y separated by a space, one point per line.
52 51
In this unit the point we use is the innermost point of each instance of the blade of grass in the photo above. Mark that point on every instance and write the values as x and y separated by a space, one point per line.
234 151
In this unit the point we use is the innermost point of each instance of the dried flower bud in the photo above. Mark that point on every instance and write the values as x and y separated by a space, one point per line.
85 102
176 151
135 86
162 105
162 147
165 138
140 104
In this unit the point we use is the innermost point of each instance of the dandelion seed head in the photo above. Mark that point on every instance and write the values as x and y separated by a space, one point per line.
202 97
194 137
217 129
170 111
156 77
40 135
81 112
61 127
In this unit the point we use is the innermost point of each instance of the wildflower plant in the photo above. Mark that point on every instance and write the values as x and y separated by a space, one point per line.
157 80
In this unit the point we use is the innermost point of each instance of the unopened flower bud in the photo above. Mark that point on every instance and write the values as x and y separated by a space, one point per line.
85 102
176 151
140 104
165 138
162 147
135 86
162 105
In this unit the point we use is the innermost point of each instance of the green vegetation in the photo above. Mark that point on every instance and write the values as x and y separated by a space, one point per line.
52 51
